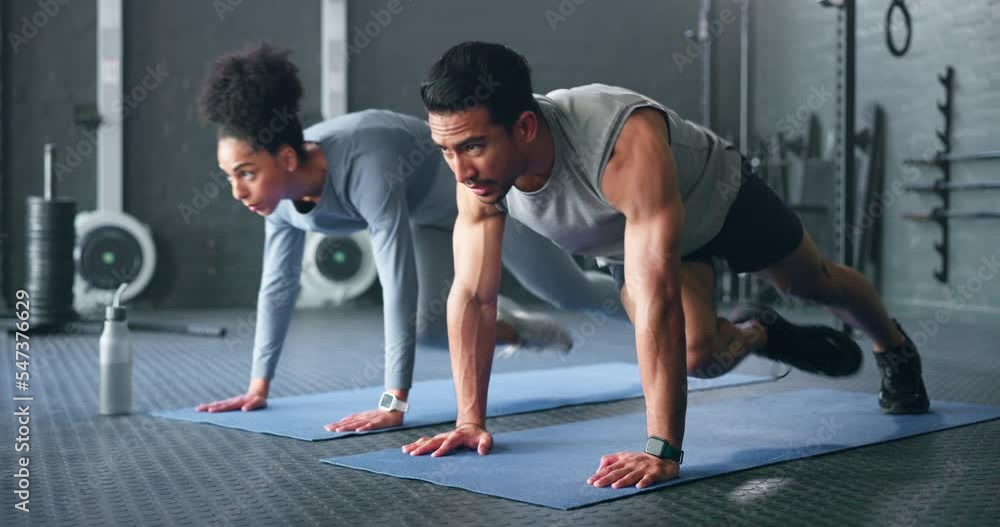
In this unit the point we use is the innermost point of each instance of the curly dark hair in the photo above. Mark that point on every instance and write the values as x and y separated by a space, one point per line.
254 94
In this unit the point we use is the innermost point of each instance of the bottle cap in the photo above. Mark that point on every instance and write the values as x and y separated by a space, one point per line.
114 313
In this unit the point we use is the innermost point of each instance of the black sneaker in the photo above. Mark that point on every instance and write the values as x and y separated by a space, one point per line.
812 348
903 390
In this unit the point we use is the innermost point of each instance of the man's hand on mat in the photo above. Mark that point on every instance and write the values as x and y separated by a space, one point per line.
469 435
625 469
245 402
370 420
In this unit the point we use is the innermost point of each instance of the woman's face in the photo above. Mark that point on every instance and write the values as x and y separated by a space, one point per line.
258 178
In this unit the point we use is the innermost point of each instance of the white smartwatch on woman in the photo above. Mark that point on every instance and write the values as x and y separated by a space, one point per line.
391 403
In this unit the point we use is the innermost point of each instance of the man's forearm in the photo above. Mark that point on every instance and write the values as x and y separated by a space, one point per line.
662 357
471 338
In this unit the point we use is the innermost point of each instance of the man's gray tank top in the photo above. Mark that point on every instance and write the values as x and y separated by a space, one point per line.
571 209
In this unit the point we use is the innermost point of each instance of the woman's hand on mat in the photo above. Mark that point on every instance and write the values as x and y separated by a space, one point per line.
254 399
625 469
370 420
245 402
471 436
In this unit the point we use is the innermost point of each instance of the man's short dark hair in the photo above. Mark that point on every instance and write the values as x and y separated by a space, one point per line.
480 73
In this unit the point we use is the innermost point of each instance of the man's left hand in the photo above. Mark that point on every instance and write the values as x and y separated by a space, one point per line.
625 469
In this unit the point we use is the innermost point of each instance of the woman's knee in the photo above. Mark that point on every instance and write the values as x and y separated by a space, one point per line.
432 335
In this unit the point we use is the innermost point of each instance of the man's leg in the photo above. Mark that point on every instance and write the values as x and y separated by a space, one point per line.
714 345
847 293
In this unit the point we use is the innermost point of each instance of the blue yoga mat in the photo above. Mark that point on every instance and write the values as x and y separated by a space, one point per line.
433 402
549 466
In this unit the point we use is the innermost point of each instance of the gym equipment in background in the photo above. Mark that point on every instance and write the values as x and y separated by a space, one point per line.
941 214
48 258
112 246
335 269
955 158
943 186
702 38
4 310
890 42
844 98
867 224
939 186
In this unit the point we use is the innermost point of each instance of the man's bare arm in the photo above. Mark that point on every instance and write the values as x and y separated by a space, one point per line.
640 180
472 303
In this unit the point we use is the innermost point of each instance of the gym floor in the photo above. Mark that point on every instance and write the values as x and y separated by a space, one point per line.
141 470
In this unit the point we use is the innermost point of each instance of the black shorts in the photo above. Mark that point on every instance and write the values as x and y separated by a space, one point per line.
760 230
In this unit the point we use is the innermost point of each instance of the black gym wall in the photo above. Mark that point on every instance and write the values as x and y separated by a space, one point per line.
4 222
793 50
50 63
212 258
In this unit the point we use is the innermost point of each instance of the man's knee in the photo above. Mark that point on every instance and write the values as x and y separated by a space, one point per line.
824 288
704 360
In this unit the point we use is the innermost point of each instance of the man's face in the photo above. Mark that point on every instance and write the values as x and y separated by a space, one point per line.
484 156
257 177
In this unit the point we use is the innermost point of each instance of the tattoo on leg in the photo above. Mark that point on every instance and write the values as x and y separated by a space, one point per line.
826 269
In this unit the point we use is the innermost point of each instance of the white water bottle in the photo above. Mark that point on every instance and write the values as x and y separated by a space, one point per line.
116 360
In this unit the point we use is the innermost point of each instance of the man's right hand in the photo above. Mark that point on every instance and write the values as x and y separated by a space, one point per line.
254 399
465 436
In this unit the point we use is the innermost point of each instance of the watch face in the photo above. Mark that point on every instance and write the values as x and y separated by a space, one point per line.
386 401
655 446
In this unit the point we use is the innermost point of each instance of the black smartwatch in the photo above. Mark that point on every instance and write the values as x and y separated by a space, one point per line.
662 449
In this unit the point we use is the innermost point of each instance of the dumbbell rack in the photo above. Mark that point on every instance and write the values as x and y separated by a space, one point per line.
943 192
943 186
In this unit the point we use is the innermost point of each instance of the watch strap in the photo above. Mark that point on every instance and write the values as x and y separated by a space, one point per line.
662 449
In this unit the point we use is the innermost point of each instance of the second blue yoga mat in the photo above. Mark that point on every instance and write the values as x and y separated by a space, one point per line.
433 402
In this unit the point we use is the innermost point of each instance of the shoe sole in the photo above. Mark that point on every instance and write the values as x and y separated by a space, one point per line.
897 410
